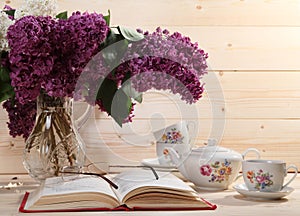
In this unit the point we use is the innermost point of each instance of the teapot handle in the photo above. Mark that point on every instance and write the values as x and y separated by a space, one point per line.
84 117
251 150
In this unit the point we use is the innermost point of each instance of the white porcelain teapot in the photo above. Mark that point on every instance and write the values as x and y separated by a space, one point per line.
211 167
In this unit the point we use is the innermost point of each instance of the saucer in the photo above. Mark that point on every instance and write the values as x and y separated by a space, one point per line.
153 162
242 189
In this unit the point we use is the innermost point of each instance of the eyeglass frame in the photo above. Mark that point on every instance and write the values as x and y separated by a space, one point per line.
103 175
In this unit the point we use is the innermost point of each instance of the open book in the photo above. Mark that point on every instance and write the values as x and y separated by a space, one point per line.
138 190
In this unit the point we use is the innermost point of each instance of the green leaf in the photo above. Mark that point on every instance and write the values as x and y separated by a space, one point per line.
4 97
6 91
115 101
10 12
107 18
106 93
4 74
111 38
139 98
130 91
130 34
121 107
113 54
62 15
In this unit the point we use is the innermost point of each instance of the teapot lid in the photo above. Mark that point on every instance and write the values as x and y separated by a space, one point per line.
212 147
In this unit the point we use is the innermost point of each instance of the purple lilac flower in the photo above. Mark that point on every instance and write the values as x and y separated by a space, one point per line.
77 41
163 61
50 55
7 7
31 56
21 117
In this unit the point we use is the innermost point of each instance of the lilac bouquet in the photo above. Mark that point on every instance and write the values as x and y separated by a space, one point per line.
82 57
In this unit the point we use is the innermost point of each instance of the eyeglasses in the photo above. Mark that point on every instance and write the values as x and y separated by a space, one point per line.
99 169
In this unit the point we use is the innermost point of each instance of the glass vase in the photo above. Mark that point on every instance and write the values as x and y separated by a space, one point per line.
54 141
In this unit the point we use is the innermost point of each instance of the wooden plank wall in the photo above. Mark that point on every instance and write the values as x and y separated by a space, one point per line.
254 49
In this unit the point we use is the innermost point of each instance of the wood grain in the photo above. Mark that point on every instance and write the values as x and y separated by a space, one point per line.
189 12
247 48
253 94
276 139
237 47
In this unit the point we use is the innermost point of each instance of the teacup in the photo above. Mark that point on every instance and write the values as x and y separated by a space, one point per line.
266 175
163 155
174 134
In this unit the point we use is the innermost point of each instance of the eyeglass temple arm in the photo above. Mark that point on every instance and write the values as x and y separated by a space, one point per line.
152 169
96 174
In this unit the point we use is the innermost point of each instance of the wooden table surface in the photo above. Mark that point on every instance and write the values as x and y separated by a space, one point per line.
229 202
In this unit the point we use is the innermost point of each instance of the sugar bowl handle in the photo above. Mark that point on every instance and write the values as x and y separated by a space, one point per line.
256 151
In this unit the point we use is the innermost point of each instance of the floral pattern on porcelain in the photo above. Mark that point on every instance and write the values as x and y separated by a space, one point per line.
217 171
174 137
260 179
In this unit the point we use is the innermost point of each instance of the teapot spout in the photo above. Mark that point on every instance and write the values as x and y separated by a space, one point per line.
177 160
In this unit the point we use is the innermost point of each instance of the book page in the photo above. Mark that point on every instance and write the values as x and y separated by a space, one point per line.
133 179
57 186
